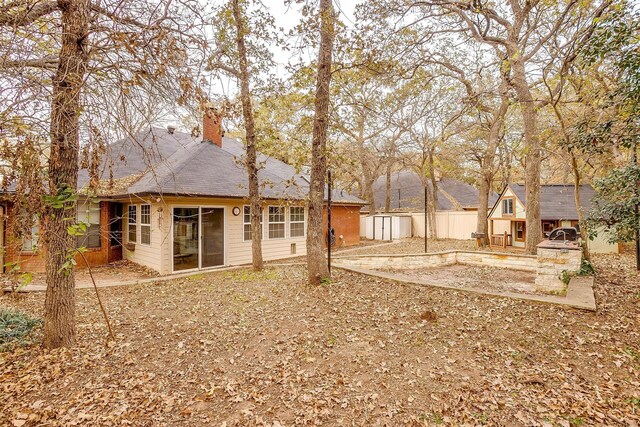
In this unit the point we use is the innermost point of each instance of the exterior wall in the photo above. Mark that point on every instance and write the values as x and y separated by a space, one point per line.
449 224
518 207
151 255
514 242
157 255
600 244
345 220
35 262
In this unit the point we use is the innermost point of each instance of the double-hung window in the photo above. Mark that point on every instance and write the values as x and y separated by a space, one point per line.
296 221
507 206
246 222
145 224
132 222
276 222
31 244
89 214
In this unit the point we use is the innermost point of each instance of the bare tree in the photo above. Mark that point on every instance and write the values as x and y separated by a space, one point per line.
83 50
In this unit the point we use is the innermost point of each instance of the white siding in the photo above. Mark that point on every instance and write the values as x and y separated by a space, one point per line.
237 251
519 209
147 255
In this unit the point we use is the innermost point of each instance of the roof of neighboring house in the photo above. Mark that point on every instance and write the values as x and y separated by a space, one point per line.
155 161
557 201
452 193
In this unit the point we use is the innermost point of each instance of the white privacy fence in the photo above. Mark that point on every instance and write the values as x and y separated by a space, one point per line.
450 225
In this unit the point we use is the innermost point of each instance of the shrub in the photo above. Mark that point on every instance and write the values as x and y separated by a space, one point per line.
586 269
15 328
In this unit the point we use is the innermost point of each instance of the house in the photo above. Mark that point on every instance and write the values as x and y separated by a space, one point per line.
179 203
507 218
407 194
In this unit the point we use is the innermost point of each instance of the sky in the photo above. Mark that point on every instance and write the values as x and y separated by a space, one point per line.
287 17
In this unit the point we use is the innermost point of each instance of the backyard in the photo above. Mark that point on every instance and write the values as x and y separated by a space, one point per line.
243 348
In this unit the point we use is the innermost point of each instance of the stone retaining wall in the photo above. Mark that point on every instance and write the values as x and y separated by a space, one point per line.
548 264
436 259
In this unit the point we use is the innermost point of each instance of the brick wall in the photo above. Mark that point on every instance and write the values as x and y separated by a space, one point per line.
346 222
35 262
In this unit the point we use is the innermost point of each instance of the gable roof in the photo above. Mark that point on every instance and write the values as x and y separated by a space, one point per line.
155 161
557 201
452 193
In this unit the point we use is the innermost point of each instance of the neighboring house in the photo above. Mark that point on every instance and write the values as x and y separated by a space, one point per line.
507 218
407 194
179 203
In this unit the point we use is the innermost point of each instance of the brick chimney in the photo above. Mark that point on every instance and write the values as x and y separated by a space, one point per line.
212 127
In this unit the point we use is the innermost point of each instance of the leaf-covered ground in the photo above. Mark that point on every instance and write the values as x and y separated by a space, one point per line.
239 348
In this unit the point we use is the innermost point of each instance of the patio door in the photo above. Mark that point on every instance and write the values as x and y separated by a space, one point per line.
198 238
212 220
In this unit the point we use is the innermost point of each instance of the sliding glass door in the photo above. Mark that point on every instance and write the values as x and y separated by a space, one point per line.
198 237
212 237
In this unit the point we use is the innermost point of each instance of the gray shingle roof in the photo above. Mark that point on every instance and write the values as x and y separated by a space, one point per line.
557 201
411 193
180 164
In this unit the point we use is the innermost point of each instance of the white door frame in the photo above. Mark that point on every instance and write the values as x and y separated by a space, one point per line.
200 237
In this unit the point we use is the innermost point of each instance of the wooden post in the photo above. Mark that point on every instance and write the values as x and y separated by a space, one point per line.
504 241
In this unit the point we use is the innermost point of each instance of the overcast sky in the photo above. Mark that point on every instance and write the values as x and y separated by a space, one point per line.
287 17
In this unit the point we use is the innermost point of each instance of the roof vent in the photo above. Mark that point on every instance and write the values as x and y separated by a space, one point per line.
171 129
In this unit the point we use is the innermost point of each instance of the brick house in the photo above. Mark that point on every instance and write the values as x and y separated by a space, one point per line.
179 203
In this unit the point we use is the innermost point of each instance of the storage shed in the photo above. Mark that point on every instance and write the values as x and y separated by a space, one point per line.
386 227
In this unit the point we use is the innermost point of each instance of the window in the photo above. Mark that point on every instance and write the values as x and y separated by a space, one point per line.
507 206
548 226
276 222
246 222
31 244
296 221
520 231
145 224
89 214
132 221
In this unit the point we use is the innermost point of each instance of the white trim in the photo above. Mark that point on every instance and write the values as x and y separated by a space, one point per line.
284 223
224 237
245 223
140 225
129 222
304 222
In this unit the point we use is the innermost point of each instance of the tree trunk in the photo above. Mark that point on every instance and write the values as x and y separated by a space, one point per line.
486 174
60 212
387 200
533 153
576 187
316 265
433 195
249 124
370 196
